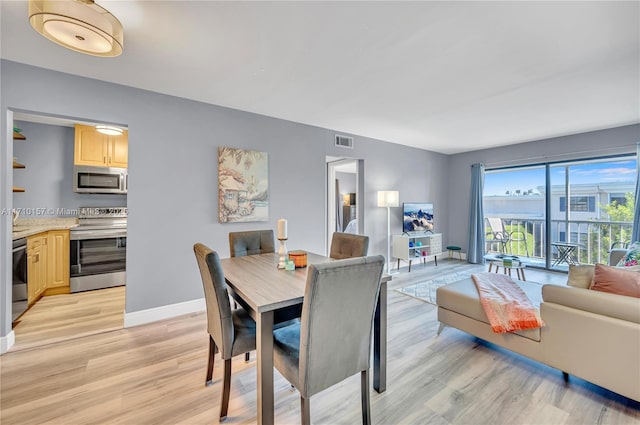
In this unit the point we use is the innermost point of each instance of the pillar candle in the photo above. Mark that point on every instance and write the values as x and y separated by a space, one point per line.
282 229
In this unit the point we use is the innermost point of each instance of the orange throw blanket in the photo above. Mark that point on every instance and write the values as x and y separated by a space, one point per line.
506 305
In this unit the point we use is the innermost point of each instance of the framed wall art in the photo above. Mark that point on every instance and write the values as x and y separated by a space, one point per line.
243 185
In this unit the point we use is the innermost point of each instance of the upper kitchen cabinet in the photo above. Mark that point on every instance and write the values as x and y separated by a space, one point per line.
97 149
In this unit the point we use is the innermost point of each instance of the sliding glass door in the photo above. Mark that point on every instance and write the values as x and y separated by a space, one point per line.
515 212
591 209
562 213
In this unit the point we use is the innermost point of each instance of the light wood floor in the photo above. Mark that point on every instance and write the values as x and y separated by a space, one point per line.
58 318
154 374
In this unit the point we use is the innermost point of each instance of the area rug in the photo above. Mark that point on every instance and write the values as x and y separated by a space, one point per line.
426 291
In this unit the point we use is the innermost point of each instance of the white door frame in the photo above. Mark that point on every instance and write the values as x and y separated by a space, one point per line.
334 164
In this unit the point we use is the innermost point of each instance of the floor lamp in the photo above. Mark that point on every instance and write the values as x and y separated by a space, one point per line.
388 199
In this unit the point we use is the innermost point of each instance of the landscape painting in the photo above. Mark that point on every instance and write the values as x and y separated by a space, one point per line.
243 185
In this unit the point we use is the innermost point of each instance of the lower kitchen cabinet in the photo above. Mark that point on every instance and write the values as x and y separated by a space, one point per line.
47 264
58 262
36 266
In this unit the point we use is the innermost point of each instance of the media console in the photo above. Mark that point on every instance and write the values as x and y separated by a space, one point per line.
417 245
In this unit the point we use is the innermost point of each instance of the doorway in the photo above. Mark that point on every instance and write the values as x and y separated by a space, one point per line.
49 196
345 188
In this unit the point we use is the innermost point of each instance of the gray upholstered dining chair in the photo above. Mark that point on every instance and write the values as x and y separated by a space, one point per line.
251 242
332 341
231 332
347 245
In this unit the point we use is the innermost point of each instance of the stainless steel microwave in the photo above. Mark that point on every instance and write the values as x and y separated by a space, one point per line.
88 179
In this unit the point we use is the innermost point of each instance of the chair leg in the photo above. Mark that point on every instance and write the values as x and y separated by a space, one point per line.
366 408
226 389
247 356
212 355
305 411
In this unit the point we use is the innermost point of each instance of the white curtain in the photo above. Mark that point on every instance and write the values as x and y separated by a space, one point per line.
475 251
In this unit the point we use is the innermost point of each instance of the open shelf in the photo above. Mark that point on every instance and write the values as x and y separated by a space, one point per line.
18 189
18 165
18 136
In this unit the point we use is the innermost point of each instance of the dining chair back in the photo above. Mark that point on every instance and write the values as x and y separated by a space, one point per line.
231 332
251 242
255 242
347 245
332 341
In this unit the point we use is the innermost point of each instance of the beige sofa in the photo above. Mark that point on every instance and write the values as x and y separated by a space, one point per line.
590 334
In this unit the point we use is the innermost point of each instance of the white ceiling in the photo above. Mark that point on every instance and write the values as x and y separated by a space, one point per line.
444 76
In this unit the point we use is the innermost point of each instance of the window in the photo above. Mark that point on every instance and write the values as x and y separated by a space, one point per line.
589 204
618 198
579 204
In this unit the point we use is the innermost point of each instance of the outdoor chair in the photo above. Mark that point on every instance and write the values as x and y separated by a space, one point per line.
499 234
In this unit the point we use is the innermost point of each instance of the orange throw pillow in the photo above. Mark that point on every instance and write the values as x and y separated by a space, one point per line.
616 280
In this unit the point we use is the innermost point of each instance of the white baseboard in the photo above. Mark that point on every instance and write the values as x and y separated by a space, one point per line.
164 312
7 342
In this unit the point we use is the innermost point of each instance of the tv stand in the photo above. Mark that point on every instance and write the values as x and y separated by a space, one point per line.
424 245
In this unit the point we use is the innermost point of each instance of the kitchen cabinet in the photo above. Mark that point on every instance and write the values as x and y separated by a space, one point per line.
100 150
47 264
36 266
58 262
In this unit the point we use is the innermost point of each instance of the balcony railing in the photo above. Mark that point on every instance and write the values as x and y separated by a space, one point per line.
594 238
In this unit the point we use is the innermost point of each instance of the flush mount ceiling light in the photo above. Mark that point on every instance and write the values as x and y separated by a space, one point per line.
109 130
79 25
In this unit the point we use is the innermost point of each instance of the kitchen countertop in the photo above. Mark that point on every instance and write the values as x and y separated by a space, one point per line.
32 226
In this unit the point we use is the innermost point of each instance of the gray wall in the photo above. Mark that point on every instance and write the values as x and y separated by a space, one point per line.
48 178
347 182
172 196
585 145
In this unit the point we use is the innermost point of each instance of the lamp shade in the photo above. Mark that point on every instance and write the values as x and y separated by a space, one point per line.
79 25
388 198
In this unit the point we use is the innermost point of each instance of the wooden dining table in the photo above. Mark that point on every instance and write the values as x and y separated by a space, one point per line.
261 288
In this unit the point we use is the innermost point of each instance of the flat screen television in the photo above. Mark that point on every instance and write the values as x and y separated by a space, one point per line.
417 216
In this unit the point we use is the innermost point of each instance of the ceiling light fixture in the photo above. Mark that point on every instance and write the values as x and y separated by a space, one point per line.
79 25
109 130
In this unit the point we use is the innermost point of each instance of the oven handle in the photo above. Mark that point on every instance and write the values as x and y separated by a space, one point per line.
80 235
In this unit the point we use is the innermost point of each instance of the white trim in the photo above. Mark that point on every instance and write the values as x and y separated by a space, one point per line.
7 342
142 317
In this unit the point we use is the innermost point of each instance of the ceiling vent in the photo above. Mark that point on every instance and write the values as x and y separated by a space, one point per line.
344 141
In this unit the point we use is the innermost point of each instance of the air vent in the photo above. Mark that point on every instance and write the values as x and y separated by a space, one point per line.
344 141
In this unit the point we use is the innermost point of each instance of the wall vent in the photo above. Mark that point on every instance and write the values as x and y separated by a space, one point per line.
344 141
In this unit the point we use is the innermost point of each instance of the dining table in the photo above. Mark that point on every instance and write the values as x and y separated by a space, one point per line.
261 288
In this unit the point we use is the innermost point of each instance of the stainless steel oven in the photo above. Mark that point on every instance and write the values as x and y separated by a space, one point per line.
19 279
108 180
99 249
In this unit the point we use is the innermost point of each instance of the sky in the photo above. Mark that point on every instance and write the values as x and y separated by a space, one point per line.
523 179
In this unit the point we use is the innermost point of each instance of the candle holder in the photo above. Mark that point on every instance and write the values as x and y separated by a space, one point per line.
282 251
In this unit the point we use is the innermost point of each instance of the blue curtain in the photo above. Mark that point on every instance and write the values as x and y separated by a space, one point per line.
475 250
635 234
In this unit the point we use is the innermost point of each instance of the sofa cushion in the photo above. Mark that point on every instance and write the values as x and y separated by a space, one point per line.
462 297
616 280
632 257
598 303
580 275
